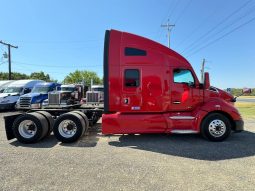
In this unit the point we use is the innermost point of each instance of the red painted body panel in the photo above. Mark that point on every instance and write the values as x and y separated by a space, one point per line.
157 105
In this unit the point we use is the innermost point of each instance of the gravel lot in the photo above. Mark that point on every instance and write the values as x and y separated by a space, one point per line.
142 162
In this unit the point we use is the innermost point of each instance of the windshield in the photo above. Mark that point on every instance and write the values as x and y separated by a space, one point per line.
68 89
98 89
42 90
13 90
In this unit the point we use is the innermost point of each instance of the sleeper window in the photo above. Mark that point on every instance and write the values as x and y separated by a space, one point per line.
132 78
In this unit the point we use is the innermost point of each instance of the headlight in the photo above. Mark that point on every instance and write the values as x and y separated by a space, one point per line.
36 106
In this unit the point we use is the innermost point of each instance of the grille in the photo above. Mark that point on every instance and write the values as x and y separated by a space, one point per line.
25 101
54 98
92 97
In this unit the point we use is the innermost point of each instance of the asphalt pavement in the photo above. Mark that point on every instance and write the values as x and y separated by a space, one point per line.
250 100
123 162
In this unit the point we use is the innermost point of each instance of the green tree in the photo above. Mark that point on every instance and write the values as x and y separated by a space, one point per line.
79 75
15 76
40 76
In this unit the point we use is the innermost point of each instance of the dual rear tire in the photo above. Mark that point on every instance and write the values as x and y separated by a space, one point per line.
69 127
32 127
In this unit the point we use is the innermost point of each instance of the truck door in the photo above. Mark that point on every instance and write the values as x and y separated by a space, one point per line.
185 95
131 97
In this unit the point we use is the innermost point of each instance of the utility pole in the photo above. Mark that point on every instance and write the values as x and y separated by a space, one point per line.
202 71
9 56
169 28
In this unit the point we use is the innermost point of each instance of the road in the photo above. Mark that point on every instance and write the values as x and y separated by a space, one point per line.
140 162
250 100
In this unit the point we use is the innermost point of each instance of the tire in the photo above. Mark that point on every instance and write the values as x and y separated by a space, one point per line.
70 120
216 127
49 119
85 118
30 127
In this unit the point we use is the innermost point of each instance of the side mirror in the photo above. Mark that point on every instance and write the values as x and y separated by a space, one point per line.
207 81
246 90
27 90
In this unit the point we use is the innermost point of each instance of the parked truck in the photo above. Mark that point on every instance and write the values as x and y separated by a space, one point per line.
95 95
67 95
148 88
35 98
4 84
14 90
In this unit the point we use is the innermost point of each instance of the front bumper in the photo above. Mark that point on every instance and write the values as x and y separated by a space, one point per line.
31 106
239 126
7 106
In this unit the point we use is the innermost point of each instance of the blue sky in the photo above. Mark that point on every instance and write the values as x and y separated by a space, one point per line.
60 36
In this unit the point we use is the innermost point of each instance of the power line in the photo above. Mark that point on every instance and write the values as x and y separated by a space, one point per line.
159 31
56 42
197 28
168 15
174 7
183 11
4 62
54 66
215 27
221 37
229 25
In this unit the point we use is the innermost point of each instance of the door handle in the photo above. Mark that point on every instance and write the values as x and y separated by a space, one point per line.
176 102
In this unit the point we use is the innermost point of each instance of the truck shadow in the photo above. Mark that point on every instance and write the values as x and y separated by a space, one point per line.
90 139
238 145
47 142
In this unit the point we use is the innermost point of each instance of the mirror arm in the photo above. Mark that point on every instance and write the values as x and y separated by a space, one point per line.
234 99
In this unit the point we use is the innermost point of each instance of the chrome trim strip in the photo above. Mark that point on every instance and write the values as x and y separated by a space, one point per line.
184 131
182 117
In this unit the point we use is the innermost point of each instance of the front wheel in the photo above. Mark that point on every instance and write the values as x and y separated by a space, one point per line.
216 127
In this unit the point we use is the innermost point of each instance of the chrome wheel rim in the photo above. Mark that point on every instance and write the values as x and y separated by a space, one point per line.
67 128
217 128
27 129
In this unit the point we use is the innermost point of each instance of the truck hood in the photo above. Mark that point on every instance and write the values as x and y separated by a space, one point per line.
3 95
225 95
9 97
33 95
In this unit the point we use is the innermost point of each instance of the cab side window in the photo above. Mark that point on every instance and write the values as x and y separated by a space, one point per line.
132 78
183 76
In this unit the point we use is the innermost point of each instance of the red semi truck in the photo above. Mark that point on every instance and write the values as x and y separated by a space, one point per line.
148 88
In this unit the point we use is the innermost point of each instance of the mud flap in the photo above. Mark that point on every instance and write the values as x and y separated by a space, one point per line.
8 123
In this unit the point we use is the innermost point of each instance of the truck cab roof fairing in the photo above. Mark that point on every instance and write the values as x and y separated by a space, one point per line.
135 41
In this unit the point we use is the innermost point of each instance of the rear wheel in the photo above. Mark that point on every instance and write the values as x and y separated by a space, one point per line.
69 127
30 127
50 120
85 118
216 127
